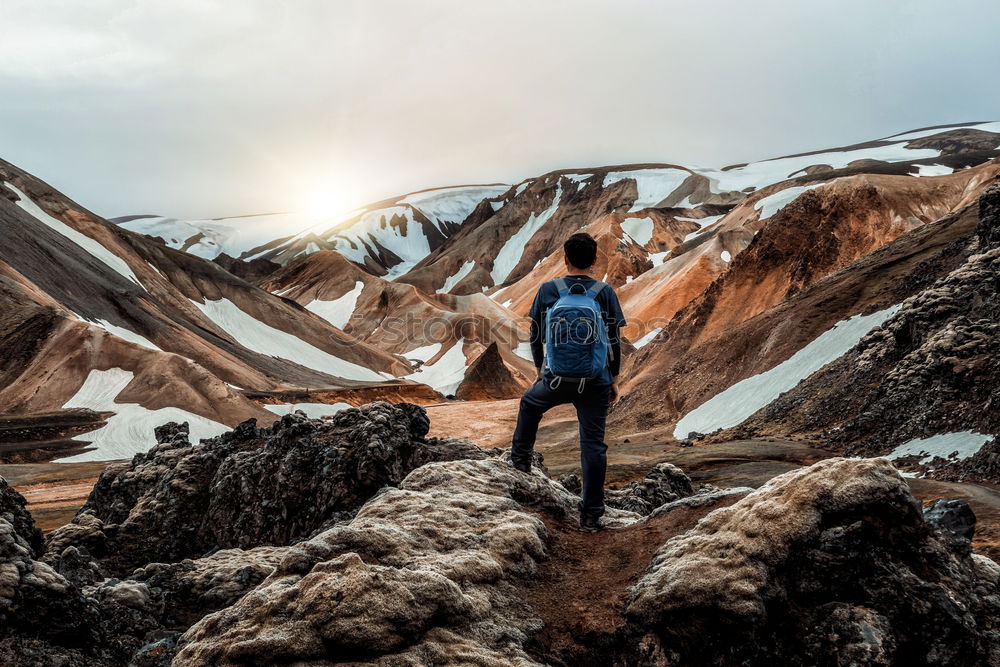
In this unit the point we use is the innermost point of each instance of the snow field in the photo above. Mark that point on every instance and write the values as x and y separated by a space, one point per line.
954 446
254 335
771 204
130 430
338 311
639 230
312 410
652 185
445 374
744 398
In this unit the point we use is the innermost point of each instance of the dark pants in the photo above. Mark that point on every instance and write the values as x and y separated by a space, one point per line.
592 413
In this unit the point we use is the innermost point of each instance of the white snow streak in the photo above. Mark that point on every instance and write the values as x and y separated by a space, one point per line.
735 404
338 311
255 335
130 430
312 410
87 244
125 334
650 335
457 277
771 204
511 252
954 446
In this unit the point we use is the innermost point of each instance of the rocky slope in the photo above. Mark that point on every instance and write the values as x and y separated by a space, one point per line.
462 559
931 369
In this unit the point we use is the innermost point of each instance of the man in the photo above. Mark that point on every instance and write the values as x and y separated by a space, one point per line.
591 396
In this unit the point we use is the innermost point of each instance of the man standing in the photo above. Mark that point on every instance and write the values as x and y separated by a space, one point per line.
571 368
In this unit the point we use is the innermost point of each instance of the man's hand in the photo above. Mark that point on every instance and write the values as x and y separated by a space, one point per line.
615 394
538 377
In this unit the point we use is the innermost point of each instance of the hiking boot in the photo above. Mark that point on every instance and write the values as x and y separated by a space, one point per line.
590 523
523 467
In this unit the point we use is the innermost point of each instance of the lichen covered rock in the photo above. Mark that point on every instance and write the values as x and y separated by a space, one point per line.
251 486
831 564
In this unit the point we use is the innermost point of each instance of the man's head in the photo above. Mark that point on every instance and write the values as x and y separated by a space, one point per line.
581 251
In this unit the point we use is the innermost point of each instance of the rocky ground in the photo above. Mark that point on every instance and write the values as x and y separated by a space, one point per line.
360 539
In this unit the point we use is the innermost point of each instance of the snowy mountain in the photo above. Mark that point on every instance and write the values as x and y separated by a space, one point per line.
696 254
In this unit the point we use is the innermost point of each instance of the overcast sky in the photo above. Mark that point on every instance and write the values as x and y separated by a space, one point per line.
201 108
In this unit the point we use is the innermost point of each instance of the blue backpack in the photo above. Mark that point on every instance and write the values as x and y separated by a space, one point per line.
576 337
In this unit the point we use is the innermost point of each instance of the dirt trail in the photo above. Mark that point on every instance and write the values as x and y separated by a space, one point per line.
581 590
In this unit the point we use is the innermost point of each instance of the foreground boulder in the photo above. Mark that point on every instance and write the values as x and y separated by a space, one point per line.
45 619
251 486
828 565
422 575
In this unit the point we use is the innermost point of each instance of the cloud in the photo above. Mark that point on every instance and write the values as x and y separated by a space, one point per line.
216 107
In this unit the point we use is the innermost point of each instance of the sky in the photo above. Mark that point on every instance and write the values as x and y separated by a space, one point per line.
205 108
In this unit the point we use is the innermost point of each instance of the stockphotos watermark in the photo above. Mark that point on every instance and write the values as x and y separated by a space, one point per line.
411 331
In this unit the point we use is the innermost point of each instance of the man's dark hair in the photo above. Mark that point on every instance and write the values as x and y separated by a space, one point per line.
581 249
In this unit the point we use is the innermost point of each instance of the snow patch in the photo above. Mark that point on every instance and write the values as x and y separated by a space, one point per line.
423 353
726 257
657 257
703 223
652 185
338 311
933 170
452 204
511 252
457 277
445 374
255 335
952 446
771 204
639 230
649 336
130 430
125 334
312 410
744 398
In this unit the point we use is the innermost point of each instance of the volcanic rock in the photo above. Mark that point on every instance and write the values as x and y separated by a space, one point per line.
250 487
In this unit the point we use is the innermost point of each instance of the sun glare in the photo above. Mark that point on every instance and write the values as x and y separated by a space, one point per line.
324 204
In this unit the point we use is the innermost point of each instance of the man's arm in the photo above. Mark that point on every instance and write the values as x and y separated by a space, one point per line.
616 320
537 349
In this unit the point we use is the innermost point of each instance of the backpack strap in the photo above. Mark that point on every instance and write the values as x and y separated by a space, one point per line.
596 288
561 286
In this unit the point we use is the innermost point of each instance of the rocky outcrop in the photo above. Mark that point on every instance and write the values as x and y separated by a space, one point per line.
249 487
467 560
421 575
252 271
45 619
831 564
